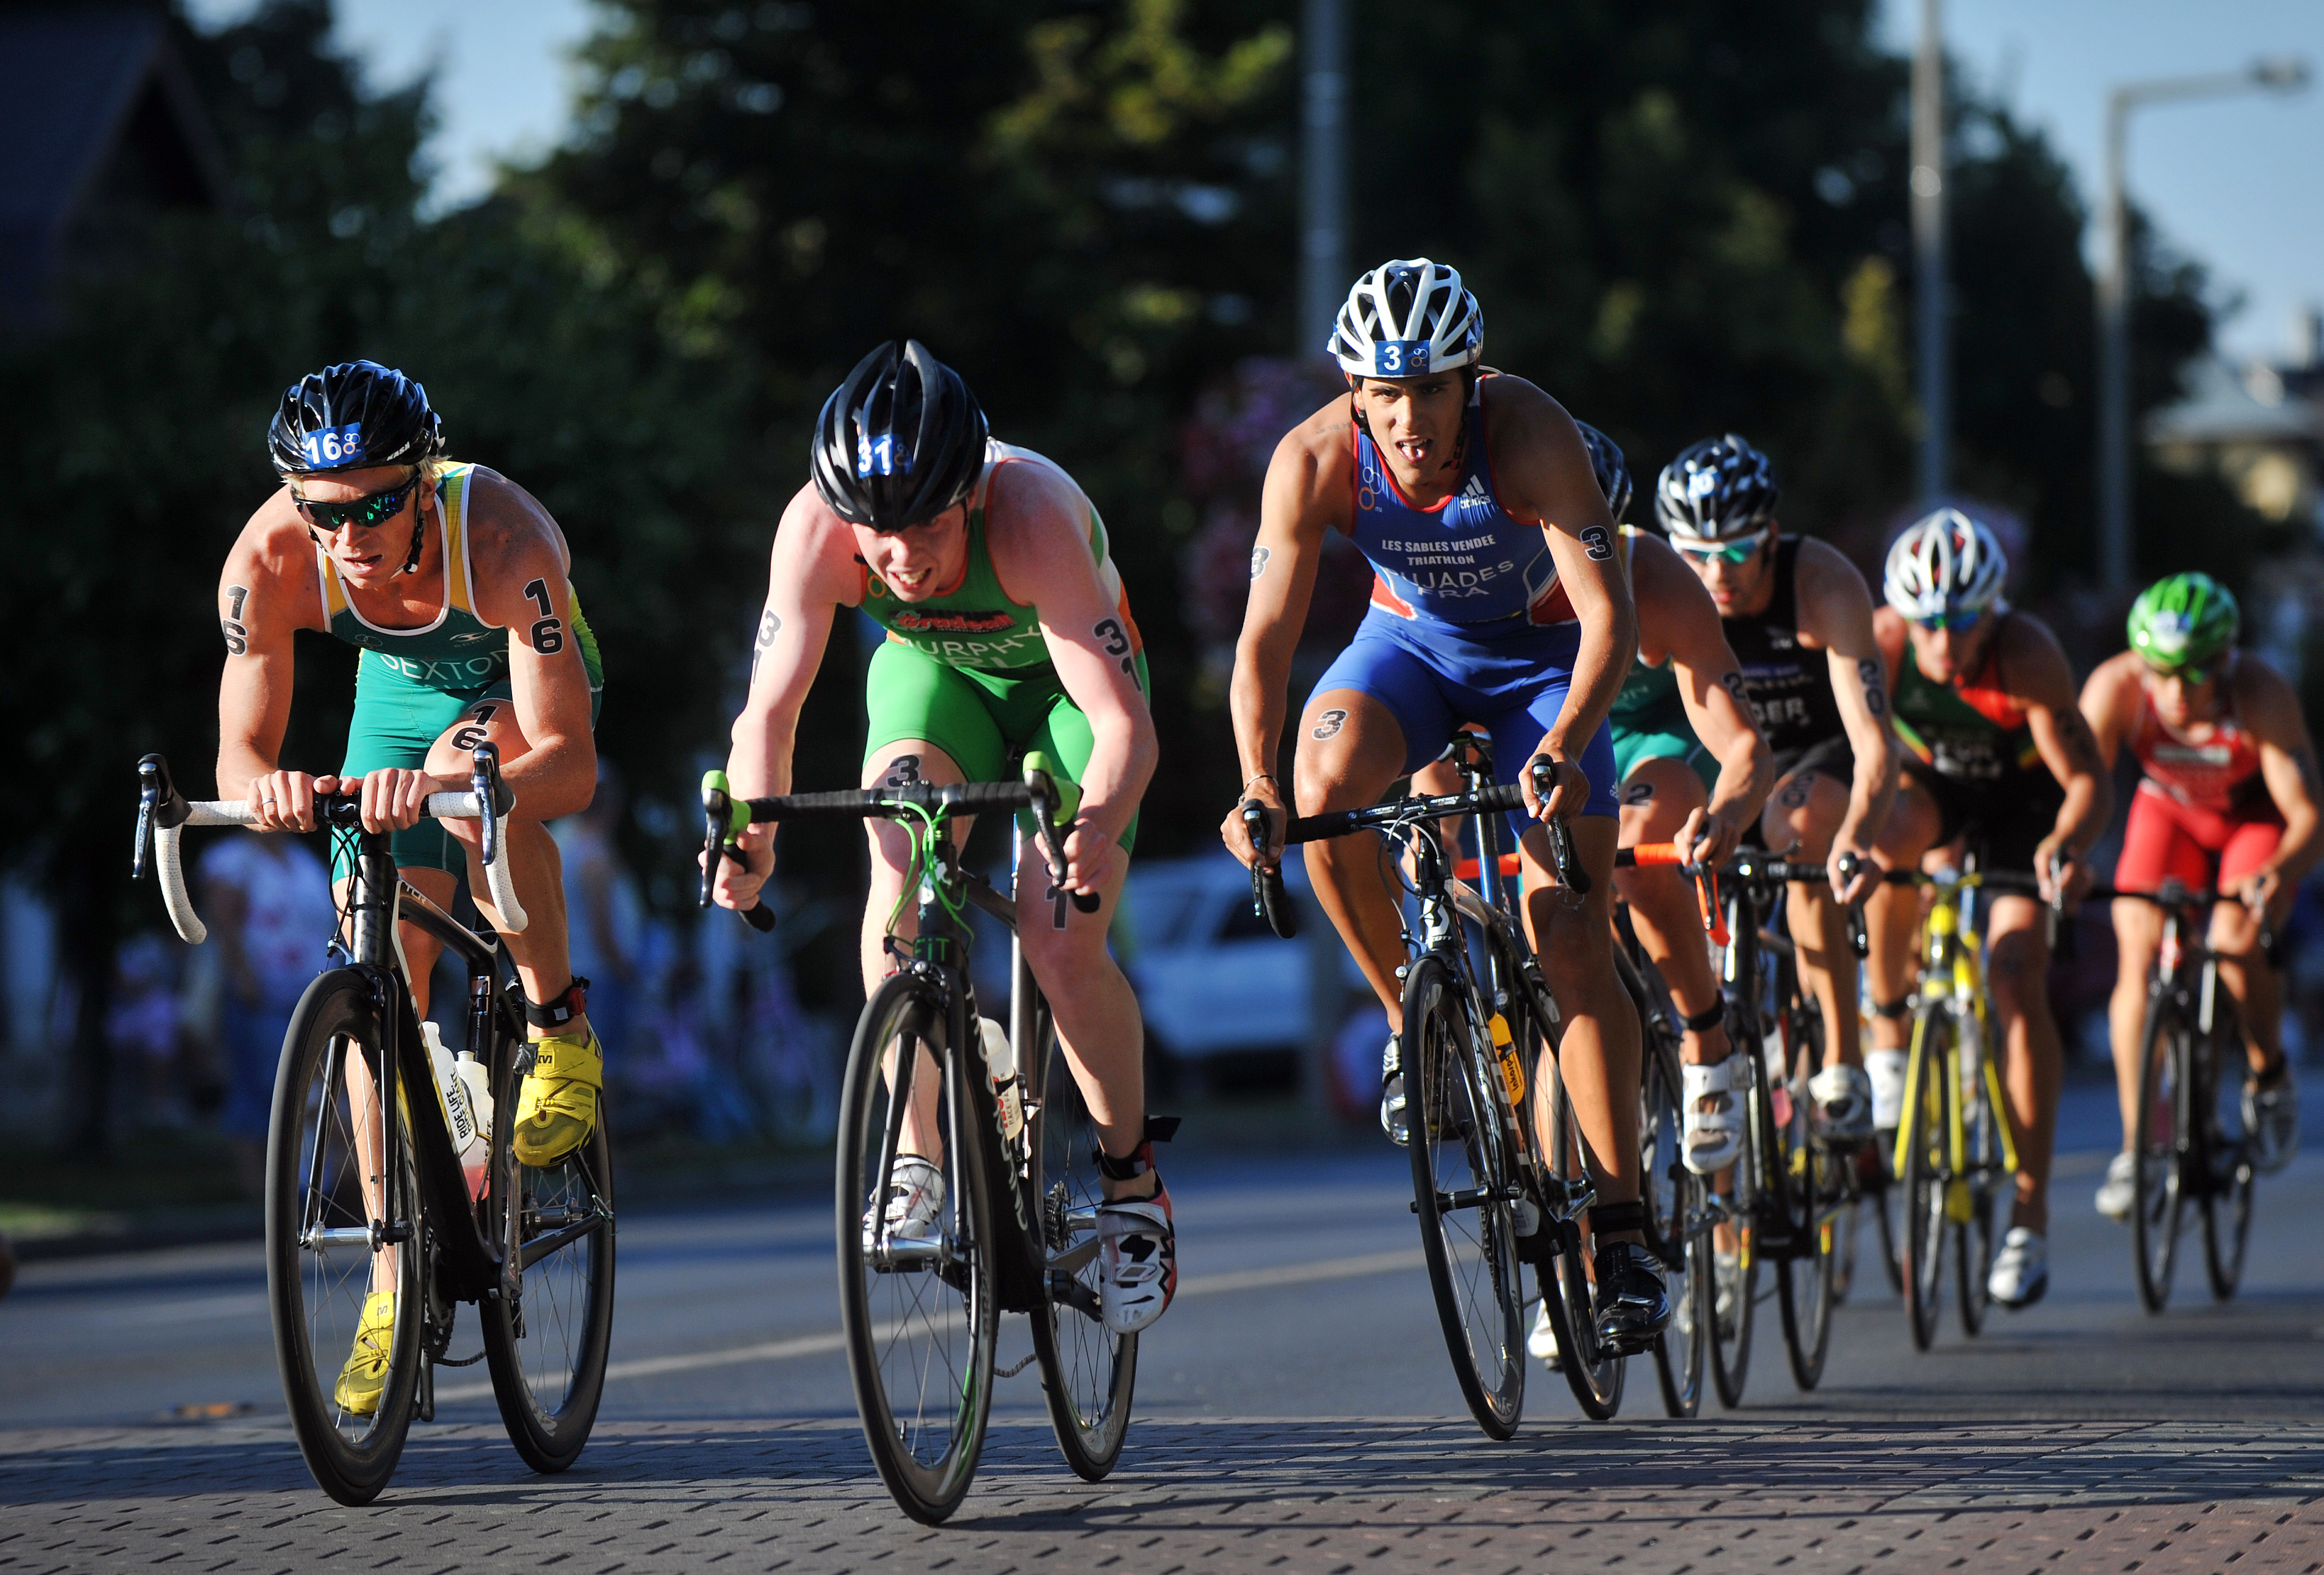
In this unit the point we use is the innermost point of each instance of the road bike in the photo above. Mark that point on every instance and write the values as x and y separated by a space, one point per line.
366 1194
1490 1195
1955 1158
1787 1196
2190 1143
1012 1140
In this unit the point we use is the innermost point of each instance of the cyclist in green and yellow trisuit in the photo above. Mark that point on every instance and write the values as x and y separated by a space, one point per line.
1008 630
453 580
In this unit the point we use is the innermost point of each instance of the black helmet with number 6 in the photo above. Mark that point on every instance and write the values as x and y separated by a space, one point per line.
900 442
351 417
1715 489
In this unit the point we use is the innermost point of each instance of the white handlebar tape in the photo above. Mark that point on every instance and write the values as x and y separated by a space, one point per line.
504 888
172 872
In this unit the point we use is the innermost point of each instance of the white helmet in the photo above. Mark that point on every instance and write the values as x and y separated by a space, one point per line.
1944 562
1407 318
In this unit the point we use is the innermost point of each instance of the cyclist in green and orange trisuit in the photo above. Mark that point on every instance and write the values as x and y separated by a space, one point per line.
1008 630
453 581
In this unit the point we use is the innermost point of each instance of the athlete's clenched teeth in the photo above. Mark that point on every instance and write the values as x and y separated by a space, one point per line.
1415 451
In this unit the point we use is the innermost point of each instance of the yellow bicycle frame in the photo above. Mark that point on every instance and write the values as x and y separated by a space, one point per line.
1952 962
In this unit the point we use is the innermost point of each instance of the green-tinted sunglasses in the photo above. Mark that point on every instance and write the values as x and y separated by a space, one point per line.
1959 620
2187 672
1735 552
363 513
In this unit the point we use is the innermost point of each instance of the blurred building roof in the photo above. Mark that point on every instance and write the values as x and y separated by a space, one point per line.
103 130
2225 405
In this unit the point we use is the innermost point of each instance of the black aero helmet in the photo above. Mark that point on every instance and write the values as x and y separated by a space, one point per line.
901 442
1717 489
1607 464
351 416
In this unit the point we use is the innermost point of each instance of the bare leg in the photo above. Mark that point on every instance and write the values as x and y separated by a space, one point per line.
2137 935
891 857
1892 914
1351 747
1096 1012
1804 815
2018 975
2258 989
1655 802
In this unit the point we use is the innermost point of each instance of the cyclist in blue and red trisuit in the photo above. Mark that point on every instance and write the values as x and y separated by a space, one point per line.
1498 599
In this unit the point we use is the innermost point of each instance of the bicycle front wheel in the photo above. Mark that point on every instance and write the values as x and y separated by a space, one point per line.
2159 1149
1087 1370
1926 1175
1460 1180
1674 1197
546 1347
323 1148
1814 1190
1592 1371
1988 1184
916 1290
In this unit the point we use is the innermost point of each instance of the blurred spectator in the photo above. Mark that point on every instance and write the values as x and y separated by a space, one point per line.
141 1023
268 903
603 912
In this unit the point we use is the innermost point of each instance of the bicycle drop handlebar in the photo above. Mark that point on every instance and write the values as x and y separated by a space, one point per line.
724 816
163 815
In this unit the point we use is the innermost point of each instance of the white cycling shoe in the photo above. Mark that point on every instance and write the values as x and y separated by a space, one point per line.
1542 1343
1139 1258
1392 1117
2272 1122
916 1200
1886 1069
1842 1097
2118 1194
1712 1138
2021 1269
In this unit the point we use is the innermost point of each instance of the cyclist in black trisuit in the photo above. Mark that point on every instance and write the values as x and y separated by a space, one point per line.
1799 618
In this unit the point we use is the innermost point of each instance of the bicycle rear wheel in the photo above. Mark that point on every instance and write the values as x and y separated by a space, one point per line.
1987 1181
2159 1150
1674 1197
917 1310
2228 1201
320 1264
1813 1190
1925 1137
1592 1371
1087 1371
546 1351
1461 1179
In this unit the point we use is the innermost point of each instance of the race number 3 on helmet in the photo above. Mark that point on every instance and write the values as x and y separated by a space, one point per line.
2183 621
1607 464
1407 318
352 417
899 443
1944 563
1715 489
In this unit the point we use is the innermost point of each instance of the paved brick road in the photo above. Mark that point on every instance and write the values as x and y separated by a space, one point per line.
1294 1497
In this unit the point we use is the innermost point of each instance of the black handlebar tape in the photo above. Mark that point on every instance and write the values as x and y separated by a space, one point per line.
1570 873
1342 822
1088 902
761 918
860 803
1269 899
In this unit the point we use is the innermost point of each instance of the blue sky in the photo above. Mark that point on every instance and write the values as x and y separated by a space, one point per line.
2237 183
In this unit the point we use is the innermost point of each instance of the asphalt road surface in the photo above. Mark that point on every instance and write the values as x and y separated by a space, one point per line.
1295 1411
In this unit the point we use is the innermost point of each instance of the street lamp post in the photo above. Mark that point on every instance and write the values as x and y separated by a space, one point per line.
1324 79
1929 254
2282 75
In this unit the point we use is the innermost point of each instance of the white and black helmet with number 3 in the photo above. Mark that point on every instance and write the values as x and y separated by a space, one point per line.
1717 489
1945 563
1407 318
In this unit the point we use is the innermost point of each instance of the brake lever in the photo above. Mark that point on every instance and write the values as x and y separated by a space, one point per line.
723 818
1269 900
1847 865
1570 873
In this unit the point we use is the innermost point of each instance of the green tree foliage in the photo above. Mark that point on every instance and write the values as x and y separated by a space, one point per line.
144 452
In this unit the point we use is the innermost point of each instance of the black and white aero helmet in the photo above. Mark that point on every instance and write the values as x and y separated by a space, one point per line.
1607 464
351 417
1407 318
1944 563
1715 489
899 441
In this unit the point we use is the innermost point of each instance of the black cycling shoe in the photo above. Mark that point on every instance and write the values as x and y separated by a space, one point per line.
1632 1307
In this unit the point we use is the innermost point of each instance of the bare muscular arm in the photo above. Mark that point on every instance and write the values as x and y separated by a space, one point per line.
1677 613
1307 495
1038 528
2270 708
1542 473
267 591
2109 704
1836 614
521 567
2041 676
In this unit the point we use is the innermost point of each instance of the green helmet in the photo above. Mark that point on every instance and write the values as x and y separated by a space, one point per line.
2183 621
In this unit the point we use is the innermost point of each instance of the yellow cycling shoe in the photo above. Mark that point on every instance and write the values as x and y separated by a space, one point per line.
557 1106
365 1375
